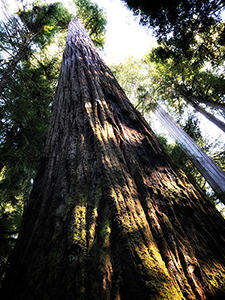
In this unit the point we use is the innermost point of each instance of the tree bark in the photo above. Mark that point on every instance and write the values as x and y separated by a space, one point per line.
186 94
110 216
220 124
213 105
206 166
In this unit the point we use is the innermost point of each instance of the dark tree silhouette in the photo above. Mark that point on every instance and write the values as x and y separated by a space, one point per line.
110 215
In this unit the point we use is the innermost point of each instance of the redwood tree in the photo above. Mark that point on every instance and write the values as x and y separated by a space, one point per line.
110 216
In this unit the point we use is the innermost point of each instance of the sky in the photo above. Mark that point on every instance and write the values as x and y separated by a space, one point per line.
125 36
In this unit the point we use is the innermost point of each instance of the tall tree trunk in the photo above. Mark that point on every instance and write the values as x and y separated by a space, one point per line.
110 216
11 67
206 166
183 92
220 124
213 105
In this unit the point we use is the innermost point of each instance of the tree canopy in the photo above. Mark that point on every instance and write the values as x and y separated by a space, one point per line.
93 19
186 26
43 21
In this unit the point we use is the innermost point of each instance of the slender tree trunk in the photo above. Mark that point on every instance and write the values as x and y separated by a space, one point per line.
11 67
110 216
220 124
214 105
183 92
206 166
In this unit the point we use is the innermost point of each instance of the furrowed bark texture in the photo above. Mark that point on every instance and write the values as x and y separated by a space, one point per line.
110 216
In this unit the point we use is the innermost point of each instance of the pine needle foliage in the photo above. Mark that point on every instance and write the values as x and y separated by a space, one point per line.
93 19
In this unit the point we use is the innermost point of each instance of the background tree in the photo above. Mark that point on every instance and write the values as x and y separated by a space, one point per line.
181 82
191 127
209 170
134 77
212 148
110 216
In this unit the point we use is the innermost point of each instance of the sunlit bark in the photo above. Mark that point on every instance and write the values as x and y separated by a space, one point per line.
206 166
110 216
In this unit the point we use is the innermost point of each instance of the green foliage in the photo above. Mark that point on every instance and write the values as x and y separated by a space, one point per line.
24 116
11 208
187 27
93 19
25 111
178 81
219 157
25 32
133 76
43 21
